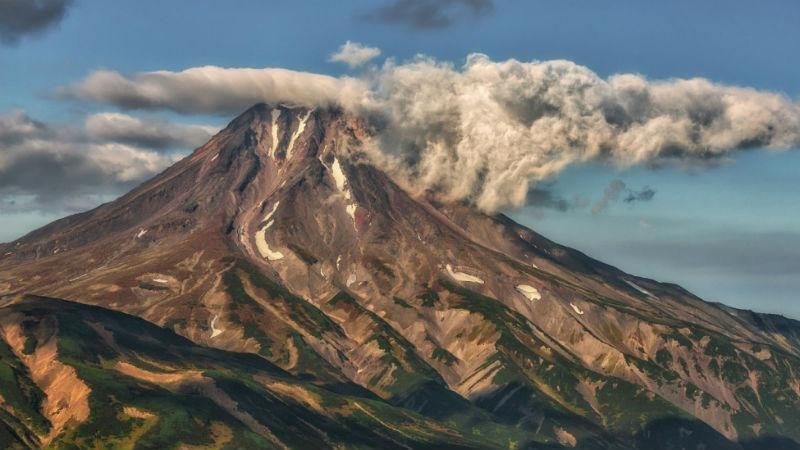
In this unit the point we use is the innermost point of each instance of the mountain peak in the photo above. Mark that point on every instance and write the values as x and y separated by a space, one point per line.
279 129
276 238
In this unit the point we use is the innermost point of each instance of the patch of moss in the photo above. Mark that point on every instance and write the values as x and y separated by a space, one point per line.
664 357
733 372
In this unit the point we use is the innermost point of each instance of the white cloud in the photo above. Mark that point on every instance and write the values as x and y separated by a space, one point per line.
490 130
213 90
354 54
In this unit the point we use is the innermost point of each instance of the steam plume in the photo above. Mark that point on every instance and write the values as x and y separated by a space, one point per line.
489 131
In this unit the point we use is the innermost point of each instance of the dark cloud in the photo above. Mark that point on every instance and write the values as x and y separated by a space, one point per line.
19 18
545 197
644 195
430 14
148 133
616 189
61 168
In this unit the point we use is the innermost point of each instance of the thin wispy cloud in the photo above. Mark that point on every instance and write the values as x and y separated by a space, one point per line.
212 89
740 252
354 54
21 18
618 189
430 14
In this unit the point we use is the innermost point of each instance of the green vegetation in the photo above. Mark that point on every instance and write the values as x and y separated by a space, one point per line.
246 319
518 356
408 370
301 311
660 374
401 302
713 366
429 298
305 416
733 372
684 341
444 356
30 345
19 392
664 357
628 407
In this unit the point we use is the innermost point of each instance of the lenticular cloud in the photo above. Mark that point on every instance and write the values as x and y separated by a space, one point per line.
489 130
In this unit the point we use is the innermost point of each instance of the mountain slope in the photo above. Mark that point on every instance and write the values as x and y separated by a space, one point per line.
103 378
279 238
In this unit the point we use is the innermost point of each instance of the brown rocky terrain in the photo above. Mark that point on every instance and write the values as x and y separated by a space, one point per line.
280 238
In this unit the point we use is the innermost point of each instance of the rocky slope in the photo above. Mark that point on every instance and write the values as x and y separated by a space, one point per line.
280 239
78 376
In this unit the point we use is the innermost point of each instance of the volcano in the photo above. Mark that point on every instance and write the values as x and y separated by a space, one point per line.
275 289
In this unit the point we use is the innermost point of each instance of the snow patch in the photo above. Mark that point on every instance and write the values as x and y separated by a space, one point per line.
339 177
300 127
461 276
639 288
529 291
341 185
214 330
215 157
763 354
351 211
274 208
275 114
263 247
141 233
351 279
338 262
160 280
576 309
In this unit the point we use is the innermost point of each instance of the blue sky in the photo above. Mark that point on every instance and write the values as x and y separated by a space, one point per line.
729 233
